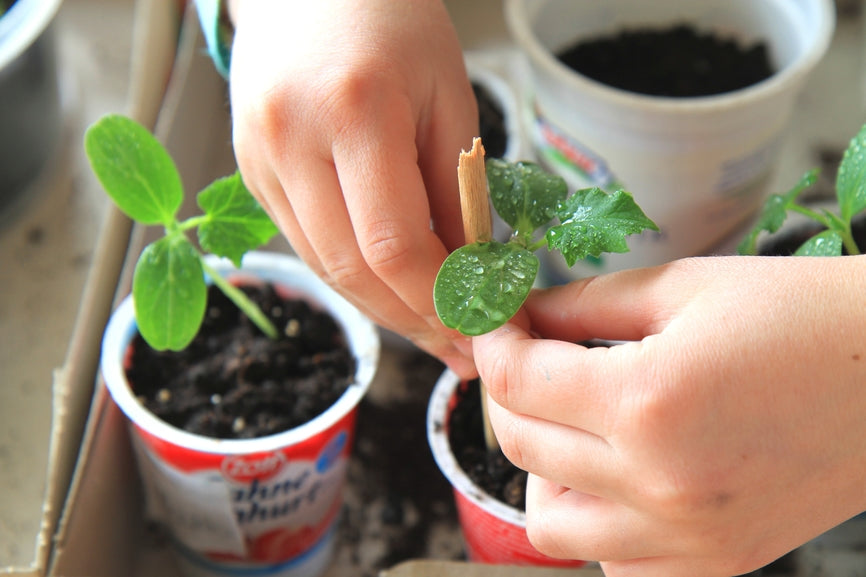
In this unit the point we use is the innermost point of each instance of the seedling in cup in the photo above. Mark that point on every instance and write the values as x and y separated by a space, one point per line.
837 235
482 285
169 287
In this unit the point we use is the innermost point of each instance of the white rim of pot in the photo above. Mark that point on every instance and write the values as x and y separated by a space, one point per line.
517 18
504 95
22 24
437 436
285 270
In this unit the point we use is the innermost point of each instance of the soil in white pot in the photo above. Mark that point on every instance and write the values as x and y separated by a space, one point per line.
674 61
233 382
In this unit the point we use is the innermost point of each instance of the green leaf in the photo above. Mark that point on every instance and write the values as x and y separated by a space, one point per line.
523 194
774 212
135 169
594 222
482 285
169 292
851 178
235 222
826 243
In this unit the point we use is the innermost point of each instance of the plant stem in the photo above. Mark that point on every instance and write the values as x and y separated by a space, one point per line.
850 244
833 223
192 222
243 302
477 227
537 245
814 215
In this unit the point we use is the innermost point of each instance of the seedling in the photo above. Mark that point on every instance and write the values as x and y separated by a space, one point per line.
481 285
837 236
169 289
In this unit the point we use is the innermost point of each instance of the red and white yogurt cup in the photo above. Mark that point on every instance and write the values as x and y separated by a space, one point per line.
266 506
494 532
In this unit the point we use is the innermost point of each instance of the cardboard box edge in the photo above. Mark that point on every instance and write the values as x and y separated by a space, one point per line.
74 382
436 568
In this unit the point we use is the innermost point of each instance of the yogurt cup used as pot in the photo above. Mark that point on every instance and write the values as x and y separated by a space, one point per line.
698 166
493 532
265 506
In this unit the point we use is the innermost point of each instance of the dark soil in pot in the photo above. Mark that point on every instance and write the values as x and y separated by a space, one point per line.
490 470
675 61
491 119
233 382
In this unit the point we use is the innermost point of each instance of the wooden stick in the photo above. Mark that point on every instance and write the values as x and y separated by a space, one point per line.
474 198
477 227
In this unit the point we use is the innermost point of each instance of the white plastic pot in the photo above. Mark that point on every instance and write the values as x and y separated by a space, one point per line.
259 506
698 166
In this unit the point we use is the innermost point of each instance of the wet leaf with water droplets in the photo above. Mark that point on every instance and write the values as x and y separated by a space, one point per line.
775 212
594 222
851 178
524 195
481 286
827 243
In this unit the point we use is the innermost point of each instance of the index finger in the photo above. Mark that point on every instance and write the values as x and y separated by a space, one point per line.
393 196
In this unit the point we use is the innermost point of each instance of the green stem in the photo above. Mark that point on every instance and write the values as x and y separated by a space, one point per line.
537 244
192 222
243 302
837 224
850 244
816 216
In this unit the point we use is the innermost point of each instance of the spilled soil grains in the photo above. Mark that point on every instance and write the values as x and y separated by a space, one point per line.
677 61
399 505
233 382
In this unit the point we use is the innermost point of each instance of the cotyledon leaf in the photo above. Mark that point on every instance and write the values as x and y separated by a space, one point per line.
481 286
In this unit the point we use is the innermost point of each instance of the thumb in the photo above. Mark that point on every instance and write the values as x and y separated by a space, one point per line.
621 306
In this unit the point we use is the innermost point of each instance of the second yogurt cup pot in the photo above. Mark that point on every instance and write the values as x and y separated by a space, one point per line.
699 166
494 532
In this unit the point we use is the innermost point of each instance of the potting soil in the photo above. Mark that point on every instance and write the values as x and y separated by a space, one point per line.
233 382
677 61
